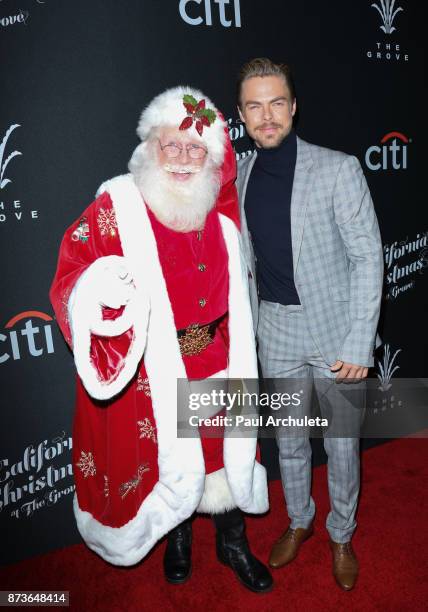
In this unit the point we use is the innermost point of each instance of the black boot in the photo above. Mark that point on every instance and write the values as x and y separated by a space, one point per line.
177 558
233 550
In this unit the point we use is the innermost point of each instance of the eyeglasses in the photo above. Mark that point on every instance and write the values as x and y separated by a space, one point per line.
173 150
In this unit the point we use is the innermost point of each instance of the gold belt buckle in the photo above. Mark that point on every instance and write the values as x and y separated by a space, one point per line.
195 339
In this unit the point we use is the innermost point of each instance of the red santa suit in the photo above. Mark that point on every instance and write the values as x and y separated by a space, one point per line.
135 479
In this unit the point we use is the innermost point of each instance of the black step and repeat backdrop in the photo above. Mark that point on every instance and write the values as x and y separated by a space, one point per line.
75 76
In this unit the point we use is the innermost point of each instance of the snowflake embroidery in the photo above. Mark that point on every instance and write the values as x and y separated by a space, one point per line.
131 485
147 430
107 222
106 486
86 464
143 385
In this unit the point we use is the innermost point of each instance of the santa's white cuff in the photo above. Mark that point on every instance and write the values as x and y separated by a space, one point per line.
86 319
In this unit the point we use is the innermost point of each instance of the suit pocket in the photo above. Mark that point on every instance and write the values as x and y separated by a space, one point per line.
340 293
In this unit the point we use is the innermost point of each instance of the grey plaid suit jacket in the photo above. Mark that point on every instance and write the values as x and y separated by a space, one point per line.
337 252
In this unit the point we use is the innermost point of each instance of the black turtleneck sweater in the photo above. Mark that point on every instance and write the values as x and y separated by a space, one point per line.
267 209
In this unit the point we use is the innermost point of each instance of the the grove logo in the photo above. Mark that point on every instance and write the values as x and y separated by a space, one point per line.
227 17
391 155
11 207
15 347
387 368
5 161
388 49
388 14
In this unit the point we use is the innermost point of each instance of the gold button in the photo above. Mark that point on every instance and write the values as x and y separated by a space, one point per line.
202 302
202 267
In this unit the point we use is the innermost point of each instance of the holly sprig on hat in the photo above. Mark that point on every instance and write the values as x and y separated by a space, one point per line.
196 112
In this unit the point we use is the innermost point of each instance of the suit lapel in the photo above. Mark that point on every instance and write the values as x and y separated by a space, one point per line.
249 166
244 227
302 186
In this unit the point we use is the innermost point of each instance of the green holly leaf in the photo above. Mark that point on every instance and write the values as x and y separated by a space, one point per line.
188 99
208 113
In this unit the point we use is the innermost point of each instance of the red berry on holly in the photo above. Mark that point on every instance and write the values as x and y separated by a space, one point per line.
189 107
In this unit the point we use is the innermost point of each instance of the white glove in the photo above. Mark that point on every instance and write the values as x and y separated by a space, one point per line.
107 282
114 286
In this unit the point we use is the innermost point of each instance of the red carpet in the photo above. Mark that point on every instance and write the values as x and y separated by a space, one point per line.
391 544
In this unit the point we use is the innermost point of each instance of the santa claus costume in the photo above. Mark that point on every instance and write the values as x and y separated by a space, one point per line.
142 305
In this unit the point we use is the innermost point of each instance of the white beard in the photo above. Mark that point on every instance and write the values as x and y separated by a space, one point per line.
181 206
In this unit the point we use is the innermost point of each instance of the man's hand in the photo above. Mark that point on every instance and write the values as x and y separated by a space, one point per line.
348 371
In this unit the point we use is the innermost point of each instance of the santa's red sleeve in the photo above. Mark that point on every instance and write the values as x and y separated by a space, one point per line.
93 235
103 338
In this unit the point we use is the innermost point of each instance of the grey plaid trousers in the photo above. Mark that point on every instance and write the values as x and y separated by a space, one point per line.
287 350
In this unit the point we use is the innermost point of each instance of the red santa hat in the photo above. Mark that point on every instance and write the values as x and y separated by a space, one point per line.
191 111
188 107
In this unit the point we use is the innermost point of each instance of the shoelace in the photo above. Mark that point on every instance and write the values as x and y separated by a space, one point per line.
290 535
345 549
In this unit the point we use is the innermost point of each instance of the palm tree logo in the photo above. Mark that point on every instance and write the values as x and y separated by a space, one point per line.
387 368
4 164
386 11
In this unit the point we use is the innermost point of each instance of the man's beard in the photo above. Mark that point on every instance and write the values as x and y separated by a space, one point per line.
181 206
270 143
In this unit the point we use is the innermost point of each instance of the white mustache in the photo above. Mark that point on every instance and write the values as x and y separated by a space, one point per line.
182 169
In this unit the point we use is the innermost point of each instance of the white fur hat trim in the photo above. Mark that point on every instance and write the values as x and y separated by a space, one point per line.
167 109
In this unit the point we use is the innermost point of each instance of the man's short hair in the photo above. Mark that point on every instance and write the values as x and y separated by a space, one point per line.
262 67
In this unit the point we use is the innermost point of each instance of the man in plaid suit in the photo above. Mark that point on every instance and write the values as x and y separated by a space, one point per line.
314 256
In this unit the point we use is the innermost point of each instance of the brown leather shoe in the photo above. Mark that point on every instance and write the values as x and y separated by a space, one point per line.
287 547
345 565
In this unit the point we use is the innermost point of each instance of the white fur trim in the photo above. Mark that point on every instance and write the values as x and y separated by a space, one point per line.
217 496
167 109
246 477
181 483
85 315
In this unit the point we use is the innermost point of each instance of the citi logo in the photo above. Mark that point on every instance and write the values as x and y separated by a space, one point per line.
194 16
28 339
388 14
391 155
